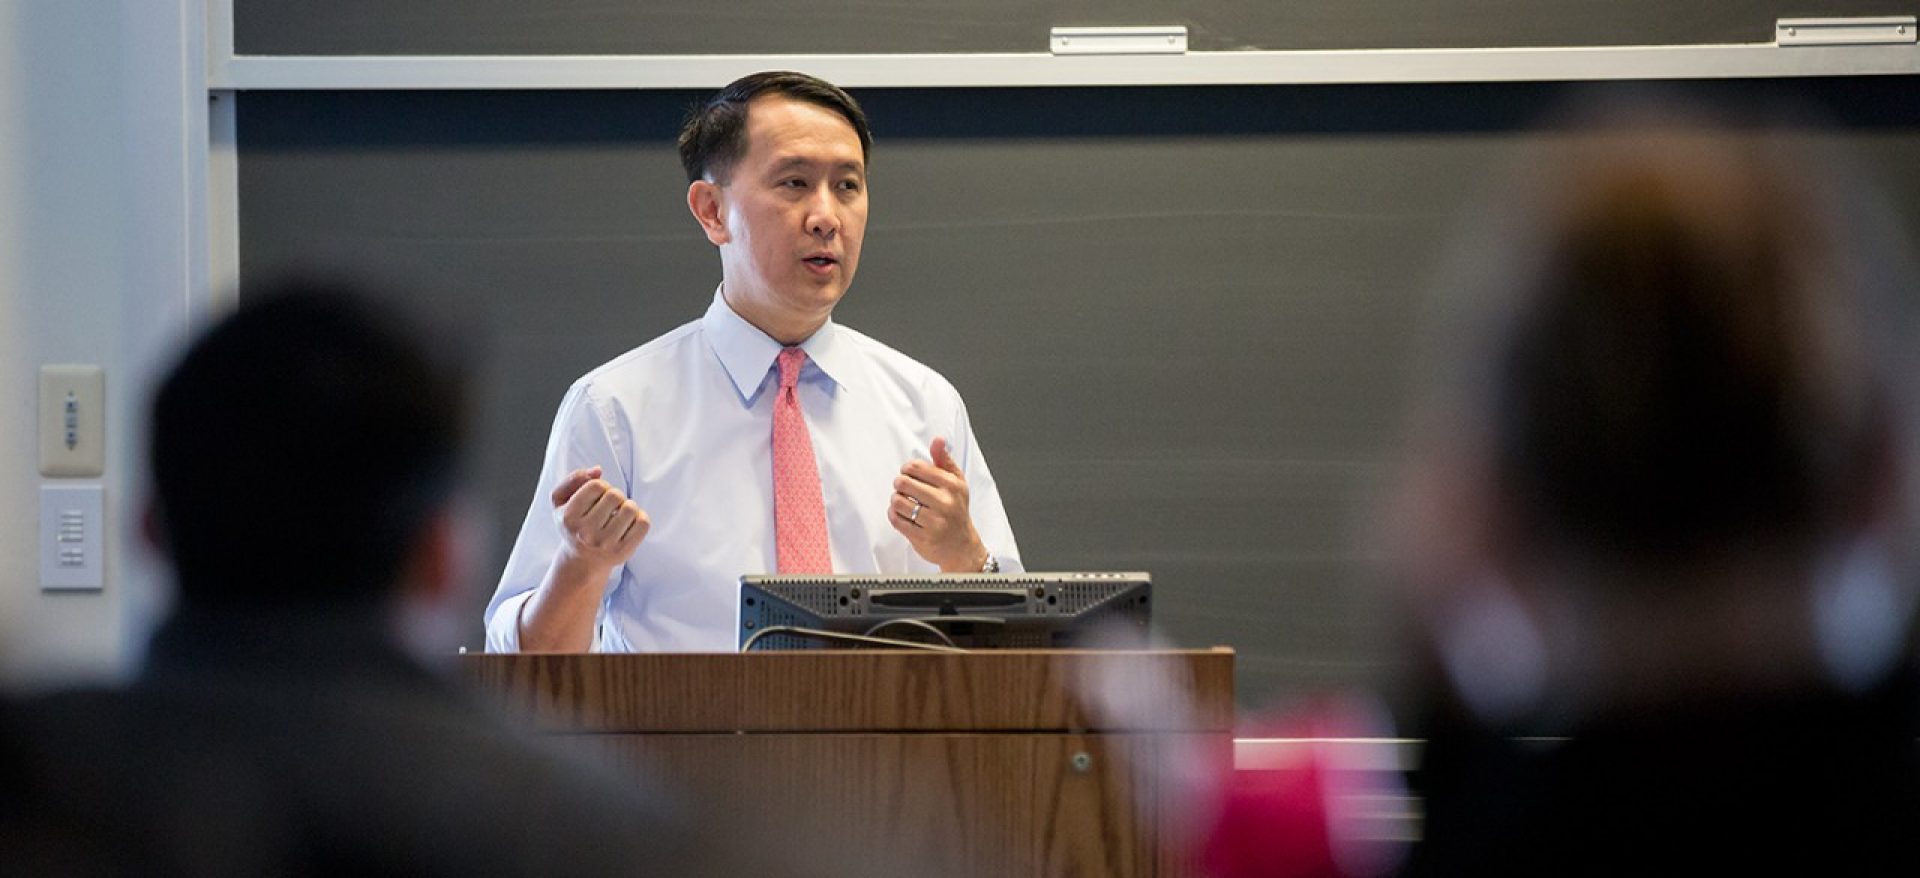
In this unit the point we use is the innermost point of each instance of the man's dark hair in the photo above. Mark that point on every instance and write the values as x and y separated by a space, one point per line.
1693 366
300 447
714 137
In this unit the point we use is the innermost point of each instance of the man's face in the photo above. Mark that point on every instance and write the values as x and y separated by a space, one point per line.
791 216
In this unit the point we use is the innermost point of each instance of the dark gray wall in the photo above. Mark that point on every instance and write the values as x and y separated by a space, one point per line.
1181 317
562 27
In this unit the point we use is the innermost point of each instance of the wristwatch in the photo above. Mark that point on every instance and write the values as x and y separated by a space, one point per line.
992 565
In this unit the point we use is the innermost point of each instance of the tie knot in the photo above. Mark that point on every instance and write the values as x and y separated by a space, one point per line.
791 359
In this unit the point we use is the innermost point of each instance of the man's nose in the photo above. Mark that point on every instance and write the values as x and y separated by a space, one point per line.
823 213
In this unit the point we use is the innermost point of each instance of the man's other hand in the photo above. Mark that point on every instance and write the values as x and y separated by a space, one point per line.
601 525
929 507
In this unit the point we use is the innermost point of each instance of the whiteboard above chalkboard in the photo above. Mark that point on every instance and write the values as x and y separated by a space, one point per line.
573 44
914 27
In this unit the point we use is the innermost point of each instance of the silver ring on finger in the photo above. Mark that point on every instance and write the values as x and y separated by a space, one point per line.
914 516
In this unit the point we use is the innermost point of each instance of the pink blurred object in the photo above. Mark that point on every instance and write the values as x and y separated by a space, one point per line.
1311 804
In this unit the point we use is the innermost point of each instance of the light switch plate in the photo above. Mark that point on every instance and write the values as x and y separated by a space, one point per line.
71 518
73 409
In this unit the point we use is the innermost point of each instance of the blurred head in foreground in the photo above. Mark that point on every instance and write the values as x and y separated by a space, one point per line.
305 455
1669 454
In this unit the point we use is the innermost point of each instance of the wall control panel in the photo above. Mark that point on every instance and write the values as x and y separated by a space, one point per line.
71 544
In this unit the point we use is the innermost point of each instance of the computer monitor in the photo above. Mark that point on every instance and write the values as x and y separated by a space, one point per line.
964 610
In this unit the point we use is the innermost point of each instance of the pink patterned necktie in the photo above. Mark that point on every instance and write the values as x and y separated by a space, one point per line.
799 513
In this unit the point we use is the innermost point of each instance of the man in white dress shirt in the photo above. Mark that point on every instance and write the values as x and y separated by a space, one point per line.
745 440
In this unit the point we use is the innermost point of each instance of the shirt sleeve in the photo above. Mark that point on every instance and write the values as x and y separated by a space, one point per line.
581 438
989 514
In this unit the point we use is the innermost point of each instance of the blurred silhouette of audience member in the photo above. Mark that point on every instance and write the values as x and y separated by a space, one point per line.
306 455
1656 521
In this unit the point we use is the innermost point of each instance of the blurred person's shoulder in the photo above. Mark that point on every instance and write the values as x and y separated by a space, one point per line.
224 773
1814 782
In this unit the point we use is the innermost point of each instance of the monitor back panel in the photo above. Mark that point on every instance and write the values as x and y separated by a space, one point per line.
970 611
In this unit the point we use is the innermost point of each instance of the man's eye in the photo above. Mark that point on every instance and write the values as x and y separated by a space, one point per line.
793 183
850 185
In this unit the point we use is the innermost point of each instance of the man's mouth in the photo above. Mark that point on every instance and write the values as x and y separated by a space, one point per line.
821 261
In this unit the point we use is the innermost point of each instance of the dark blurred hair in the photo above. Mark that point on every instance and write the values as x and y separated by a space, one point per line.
714 135
1696 361
301 445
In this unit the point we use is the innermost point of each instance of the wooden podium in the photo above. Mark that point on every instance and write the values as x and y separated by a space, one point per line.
984 763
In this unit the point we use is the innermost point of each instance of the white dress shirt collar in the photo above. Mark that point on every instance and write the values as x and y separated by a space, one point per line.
748 354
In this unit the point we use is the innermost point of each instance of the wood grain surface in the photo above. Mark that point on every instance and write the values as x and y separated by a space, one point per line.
1043 763
1174 690
934 804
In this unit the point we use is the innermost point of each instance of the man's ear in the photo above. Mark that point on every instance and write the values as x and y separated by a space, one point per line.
153 531
707 201
1883 509
433 571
